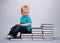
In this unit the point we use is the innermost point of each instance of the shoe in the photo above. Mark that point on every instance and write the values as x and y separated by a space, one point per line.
9 36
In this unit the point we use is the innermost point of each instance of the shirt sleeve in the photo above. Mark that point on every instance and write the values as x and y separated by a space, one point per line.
29 20
20 20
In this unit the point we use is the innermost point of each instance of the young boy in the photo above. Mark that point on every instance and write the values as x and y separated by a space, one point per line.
25 24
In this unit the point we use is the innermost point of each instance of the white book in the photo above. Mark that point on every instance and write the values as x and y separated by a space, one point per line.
36 32
37 36
48 34
15 39
26 34
48 39
36 29
46 24
26 39
37 39
47 30
46 27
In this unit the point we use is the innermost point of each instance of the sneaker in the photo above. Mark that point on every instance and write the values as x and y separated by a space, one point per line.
9 36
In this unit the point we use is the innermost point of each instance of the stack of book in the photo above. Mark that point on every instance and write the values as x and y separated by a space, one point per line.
37 34
47 31
26 36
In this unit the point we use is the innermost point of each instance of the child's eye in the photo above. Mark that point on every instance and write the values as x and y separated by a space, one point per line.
25 12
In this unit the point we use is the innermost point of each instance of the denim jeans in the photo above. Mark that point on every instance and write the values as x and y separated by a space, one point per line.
17 28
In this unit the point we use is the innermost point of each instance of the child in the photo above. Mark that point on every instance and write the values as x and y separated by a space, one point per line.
25 24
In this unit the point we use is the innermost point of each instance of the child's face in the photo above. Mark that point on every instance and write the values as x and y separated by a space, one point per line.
25 12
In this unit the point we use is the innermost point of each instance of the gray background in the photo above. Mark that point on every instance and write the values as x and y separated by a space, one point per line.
41 11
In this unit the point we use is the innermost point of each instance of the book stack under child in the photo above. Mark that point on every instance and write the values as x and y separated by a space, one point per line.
26 36
37 33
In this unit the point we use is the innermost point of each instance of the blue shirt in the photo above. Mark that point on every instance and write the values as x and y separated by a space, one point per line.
25 20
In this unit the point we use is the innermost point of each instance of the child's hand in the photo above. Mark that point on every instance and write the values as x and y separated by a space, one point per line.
18 24
21 24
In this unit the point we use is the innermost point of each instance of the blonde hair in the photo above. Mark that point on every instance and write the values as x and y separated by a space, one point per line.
26 8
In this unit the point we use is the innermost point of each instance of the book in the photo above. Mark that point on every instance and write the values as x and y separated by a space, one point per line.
36 32
47 30
37 36
26 34
48 39
37 39
47 26
47 34
26 39
15 39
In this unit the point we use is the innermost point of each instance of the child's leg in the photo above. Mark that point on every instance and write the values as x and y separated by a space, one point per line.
16 30
12 29
21 29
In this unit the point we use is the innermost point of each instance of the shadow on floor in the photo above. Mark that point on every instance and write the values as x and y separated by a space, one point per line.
56 38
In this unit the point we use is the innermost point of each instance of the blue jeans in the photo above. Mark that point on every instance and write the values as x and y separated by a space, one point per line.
17 28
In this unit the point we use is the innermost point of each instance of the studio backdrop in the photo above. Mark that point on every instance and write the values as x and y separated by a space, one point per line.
41 12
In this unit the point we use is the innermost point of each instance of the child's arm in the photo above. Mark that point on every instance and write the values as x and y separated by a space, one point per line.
28 24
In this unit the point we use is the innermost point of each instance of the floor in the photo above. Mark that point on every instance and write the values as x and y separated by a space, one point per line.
56 40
